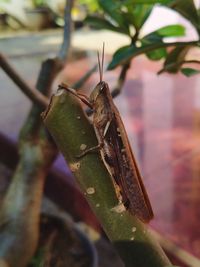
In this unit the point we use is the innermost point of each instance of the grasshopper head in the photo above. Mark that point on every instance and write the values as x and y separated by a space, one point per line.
100 89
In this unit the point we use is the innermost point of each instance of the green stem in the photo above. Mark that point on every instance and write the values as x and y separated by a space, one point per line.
121 80
72 131
31 92
19 214
63 53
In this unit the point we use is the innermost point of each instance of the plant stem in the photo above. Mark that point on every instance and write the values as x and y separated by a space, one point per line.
177 65
71 129
19 216
28 90
173 249
191 61
67 31
20 209
120 82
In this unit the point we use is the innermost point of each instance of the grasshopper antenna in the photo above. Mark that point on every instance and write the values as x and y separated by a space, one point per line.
100 64
100 75
102 61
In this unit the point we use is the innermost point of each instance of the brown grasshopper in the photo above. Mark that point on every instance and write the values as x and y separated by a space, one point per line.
115 150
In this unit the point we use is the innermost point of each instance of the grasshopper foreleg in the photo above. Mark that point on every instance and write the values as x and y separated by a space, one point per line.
90 150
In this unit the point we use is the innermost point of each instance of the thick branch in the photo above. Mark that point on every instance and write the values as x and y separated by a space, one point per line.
49 70
72 131
69 197
19 216
20 210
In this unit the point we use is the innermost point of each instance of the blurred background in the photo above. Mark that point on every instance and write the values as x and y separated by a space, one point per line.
161 112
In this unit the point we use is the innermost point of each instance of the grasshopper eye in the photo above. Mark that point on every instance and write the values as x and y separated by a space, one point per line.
101 86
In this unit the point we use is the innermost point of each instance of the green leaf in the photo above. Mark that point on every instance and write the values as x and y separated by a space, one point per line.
172 30
137 14
121 56
113 9
101 23
157 54
158 35
167 31
92 6
189 71
187 9
126 53
150 1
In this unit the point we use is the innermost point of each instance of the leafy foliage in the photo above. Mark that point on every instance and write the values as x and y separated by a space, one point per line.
175 59
129 16
92 5
158 35
136 15
126 53
189 71
187 9
100 23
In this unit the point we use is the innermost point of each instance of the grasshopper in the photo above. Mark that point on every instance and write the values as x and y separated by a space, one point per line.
115 150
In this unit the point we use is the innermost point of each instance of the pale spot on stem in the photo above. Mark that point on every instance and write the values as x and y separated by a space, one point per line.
133 229
119 208
90 190
83 147
62 96
74 166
